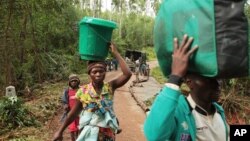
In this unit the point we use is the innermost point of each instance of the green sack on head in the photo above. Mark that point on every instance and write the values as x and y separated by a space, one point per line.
219 28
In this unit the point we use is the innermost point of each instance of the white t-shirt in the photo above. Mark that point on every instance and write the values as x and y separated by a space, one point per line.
208 127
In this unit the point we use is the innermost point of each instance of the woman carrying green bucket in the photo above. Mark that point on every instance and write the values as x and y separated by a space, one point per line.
97 121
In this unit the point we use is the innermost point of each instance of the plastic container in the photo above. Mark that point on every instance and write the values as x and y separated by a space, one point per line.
221 34
94 36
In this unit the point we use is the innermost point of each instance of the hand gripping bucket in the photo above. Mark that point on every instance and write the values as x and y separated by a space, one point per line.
94 36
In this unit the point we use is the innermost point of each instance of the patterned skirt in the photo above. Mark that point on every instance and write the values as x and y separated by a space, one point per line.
106 134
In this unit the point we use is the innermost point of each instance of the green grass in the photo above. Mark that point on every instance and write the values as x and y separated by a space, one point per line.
150 53
43 104
158 75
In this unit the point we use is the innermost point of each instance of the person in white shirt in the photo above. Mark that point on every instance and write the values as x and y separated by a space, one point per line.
197 117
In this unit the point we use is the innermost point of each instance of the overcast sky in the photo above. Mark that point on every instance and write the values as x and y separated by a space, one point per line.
106 5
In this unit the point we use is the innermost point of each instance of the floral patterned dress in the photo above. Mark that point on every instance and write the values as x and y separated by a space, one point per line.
99 104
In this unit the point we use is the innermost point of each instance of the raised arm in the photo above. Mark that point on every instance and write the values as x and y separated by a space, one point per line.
160 123
126 73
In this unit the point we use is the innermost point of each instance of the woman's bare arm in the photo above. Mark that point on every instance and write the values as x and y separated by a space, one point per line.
126 73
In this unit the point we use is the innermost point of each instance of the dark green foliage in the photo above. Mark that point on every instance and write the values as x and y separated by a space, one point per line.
37 36
13 114
136 32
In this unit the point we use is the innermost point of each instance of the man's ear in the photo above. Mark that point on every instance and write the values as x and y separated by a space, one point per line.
188 81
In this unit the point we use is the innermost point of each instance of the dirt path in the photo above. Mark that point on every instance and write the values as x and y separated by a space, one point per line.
130 115
54 125
153 64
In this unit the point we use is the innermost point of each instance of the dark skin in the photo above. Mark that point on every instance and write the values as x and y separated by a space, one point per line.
74 85
203 90
97 76
73 135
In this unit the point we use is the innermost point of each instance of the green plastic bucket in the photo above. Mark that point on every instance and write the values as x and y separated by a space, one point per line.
94 36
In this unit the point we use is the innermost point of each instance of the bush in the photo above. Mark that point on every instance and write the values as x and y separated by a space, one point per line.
13 114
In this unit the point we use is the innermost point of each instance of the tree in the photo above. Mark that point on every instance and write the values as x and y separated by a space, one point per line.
31 31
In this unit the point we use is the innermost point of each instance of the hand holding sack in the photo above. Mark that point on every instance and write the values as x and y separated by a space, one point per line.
219 28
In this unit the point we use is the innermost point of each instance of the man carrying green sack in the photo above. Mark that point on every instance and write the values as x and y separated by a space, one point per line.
195 117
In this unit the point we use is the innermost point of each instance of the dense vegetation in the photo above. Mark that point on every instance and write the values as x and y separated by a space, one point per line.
38 41
39 38
39 46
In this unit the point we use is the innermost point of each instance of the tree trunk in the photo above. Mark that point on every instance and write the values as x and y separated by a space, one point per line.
35 49
120 21
7 46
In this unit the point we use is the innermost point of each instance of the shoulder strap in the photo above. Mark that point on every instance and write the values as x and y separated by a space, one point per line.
65 97
190 107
